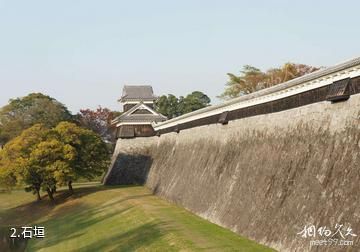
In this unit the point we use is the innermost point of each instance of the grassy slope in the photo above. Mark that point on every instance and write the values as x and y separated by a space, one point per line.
99 218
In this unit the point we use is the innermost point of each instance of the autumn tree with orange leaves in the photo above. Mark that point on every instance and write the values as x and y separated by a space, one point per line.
252 79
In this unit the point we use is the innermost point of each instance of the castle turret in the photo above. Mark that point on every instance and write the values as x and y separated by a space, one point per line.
139 113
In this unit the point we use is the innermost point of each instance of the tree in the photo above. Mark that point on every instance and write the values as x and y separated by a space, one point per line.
22 113
194 101
15 160
171 106
251 79
52 160
42 158
92 157
168 105
7 176
99 121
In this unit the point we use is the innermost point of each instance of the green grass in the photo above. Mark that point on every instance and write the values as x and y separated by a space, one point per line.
99 218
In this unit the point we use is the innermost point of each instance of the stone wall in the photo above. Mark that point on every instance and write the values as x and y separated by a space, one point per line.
264 177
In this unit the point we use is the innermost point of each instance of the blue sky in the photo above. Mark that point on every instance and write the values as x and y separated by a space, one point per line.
83 52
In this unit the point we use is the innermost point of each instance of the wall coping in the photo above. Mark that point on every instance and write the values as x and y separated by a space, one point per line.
320 78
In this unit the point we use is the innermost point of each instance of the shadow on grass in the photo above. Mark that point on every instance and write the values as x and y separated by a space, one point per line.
72 226
83 219
131 240
80 215
32 211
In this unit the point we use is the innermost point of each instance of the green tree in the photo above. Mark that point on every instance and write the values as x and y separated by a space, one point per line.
7 176
92 156
15 160
22 113
194 101
171 106
42 158
52 160
167 105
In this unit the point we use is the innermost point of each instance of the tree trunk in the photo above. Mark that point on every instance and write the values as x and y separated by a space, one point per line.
38 194
50 194
70 187
53 190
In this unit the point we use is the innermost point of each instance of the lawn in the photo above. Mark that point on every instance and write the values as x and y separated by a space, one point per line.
100 218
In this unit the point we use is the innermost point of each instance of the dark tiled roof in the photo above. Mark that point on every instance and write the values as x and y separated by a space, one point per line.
144 92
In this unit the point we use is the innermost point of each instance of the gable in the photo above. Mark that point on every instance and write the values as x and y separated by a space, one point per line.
139 113
141 108
142 111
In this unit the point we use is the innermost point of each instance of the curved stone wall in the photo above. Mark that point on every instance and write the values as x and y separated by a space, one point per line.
264 177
